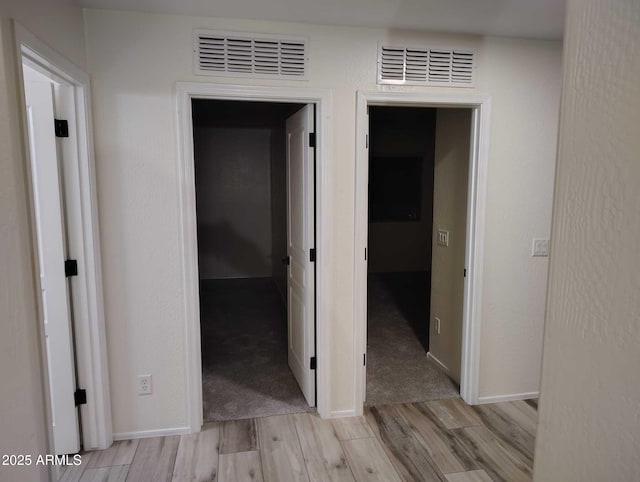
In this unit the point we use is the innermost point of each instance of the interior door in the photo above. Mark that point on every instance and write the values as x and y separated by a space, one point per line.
301 250
51 261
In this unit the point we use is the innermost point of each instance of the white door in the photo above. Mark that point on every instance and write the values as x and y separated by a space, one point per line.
51 262
300 244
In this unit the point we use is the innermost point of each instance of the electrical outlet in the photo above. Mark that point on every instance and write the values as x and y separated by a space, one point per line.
437 320
540 247
144 385
443 237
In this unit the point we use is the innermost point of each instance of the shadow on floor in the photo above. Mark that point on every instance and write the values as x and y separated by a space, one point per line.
411 293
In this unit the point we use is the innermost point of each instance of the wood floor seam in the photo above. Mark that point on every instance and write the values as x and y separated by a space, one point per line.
391 443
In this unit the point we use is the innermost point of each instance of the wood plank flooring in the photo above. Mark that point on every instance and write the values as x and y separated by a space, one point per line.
442 440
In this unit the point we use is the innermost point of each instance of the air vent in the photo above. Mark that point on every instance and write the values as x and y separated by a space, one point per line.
250 55
425 66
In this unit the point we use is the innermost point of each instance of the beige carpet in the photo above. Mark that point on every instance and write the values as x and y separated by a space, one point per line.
245 373
398 370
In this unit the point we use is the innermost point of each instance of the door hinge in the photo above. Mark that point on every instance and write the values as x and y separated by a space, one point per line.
80 397
312 255
465 272
312 363
365 254
286 260
364 359
366 141
70 268
312 139
61 127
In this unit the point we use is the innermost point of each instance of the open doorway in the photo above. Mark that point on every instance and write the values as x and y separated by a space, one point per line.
417 206
255 204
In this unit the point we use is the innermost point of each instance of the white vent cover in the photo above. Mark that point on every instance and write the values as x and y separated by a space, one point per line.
425 66
240 54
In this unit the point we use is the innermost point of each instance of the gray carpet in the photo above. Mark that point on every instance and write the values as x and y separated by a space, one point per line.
397 340
245 373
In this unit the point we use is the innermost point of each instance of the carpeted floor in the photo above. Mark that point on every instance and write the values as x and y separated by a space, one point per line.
398 370
245 373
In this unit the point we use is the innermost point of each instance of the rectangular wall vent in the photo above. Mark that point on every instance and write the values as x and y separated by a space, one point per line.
241 54
425 66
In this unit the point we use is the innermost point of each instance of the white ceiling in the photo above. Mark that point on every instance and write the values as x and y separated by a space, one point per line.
514 18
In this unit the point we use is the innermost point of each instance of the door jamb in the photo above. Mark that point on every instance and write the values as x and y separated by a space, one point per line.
88 303
185 91
474 251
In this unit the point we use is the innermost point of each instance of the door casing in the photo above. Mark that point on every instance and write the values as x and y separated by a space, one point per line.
185 92
474 252
83 239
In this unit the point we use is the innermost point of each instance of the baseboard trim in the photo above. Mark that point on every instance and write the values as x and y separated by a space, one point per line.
441 365
508 397
342 413
163 432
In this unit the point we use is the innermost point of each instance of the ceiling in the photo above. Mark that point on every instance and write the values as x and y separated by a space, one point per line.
515 18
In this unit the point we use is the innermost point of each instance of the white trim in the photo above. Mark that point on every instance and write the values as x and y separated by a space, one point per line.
88 295
343 413
479 161
185 91
162 432
507 398
440 365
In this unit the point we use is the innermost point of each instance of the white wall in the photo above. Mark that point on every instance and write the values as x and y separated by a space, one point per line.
233 195
135 60
450 188
22 406
589 428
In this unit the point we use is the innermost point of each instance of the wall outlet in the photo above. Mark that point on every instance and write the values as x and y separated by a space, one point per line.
144 385
437 325
443 237
540 247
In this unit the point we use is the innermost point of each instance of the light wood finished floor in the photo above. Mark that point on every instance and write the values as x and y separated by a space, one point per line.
444 440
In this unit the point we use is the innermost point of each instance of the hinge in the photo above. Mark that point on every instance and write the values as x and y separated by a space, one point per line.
367 141
312 255
465 272
365 254
61 127
312 139
80 397
364 359
312 363
70 268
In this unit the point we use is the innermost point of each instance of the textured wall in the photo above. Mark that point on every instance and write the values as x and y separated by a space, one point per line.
589 426
233 196
451 175
135 60
22 424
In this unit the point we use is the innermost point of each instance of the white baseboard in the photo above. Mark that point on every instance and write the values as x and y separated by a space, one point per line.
163 432
508 397
342 413
441 365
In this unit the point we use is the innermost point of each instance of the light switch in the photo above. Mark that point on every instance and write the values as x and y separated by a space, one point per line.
443 237
540 247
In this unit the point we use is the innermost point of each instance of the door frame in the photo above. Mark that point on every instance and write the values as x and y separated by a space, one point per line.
476 208
83 233
185 92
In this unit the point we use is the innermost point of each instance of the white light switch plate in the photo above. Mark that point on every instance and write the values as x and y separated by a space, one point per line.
443 237
540 247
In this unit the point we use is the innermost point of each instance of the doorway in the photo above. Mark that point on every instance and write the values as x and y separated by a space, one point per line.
418 179
468 243
254 181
